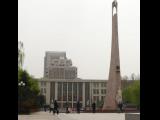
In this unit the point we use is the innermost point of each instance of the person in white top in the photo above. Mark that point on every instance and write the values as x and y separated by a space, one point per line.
51 107
119 99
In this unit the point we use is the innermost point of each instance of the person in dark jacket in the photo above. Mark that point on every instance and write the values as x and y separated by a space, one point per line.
78 107
93 107
45 107
56 107
67 111
120 105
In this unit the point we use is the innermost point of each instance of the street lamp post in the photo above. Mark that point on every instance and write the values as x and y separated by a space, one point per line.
21 84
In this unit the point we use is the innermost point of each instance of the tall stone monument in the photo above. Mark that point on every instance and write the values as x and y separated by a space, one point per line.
114 81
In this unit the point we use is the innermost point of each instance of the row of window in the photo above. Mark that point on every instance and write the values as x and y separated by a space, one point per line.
96 91
97 98
61 62
60 73
43 90
43 84
75 86
97 84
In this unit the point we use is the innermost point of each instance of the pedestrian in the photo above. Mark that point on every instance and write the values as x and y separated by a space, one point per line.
51 107
56 107
120 104
93 107
78 107
67 111
119 100
45 107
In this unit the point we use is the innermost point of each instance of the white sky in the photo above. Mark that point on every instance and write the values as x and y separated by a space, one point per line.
82 28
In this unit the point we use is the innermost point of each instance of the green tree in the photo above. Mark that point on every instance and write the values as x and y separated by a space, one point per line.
131 94
28 93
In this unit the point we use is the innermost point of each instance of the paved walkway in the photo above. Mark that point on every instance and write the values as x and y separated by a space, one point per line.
72 116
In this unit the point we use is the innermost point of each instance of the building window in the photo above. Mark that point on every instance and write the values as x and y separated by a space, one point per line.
69 91
94 98
41 83
97 98
80 91
96 85
44 90
103 91
59 91
64 91
102 98
103 84
74 91
41 90
95 91
87 93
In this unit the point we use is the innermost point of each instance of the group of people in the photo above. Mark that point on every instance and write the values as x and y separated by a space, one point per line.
53 107
79 107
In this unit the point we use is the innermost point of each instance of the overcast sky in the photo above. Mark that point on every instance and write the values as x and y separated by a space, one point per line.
82 28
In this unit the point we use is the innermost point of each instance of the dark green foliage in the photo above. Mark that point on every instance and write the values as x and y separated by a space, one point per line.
131 94
27 95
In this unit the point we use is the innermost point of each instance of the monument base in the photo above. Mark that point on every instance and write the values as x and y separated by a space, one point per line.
113 107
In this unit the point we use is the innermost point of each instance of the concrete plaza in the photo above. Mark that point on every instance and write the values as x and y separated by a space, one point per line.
73 116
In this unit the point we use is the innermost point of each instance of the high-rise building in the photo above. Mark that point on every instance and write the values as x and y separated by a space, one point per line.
58 66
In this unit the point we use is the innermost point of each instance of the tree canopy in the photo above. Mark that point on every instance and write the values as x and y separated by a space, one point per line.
131 94
28 95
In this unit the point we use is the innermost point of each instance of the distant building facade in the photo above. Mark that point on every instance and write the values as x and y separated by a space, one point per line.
60 83
57 66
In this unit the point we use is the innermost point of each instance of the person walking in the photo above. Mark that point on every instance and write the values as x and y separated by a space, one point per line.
119 100
93 107
78 107
56 107
51 107
45 107
67 111
120 106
